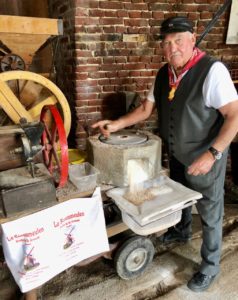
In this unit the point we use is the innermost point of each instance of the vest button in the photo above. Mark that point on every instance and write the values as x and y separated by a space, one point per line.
171 135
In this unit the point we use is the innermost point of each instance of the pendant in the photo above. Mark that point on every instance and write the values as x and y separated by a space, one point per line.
171 93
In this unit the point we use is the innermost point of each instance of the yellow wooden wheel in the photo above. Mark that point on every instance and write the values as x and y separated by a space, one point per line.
23 95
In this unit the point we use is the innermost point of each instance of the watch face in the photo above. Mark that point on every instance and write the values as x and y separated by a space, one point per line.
218 155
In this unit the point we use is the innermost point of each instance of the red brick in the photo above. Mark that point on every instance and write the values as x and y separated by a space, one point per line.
111 4
90 4
80 110
111 14
206 15
135 73
80 12
122 14
158 15
135 14
123 73
95 75
96 13
94 60
121 29
82 83
110 21
152 66
134 66
87 21
107 67
103 81
83 53
146 73
88 38
108 60
109 29
86 97
145 59
80 103
108 88
87 89
138 23
111 74
120 60
144 30
146 14
116 52
86 68
111 37
188 1
81 75
133 59
97 102
134 6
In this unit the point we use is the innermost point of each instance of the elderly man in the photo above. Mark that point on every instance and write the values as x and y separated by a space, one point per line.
197 108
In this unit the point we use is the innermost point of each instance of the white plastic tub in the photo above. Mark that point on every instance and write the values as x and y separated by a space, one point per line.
171 197
83 176
156 226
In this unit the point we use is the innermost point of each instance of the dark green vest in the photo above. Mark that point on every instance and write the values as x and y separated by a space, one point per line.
186 125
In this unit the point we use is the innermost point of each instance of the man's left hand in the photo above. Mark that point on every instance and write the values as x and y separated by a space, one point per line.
202 165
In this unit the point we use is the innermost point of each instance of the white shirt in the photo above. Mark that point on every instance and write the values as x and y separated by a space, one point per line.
218 88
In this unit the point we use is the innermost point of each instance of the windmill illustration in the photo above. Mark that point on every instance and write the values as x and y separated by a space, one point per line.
69 238
29 260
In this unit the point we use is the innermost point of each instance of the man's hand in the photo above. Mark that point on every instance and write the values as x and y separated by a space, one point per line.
139 114
106 127
202 165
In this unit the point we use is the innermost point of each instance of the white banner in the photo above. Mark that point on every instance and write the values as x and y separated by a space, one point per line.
39 246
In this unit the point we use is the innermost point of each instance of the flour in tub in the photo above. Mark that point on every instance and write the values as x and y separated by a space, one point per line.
137 174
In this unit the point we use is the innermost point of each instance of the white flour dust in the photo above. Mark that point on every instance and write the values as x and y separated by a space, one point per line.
137 175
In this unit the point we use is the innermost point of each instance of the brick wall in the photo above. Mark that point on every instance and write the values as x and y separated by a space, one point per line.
110 49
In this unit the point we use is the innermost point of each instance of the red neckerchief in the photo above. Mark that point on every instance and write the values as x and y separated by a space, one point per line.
174 82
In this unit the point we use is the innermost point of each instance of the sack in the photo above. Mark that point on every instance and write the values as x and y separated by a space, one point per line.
41 245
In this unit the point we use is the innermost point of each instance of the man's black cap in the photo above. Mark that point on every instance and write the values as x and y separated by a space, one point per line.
175 24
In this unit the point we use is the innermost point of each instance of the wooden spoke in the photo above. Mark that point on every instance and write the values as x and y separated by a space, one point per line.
23 94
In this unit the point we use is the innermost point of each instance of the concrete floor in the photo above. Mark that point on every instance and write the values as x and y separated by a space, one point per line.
165 278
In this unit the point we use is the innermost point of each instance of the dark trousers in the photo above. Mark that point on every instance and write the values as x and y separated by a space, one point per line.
210 209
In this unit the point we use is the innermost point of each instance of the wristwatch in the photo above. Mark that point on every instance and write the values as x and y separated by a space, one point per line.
216 154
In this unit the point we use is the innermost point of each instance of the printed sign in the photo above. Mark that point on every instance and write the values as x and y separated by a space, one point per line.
232 33
39 246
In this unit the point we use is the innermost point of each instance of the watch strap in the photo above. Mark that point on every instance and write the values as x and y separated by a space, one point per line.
216 154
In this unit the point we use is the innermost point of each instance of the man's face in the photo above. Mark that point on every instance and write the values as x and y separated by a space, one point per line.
178 48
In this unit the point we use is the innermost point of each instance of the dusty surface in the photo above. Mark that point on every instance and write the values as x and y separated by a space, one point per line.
165 278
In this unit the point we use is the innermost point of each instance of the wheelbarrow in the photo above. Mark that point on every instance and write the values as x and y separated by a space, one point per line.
134 253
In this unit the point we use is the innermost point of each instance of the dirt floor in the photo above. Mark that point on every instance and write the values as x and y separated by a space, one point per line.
165 278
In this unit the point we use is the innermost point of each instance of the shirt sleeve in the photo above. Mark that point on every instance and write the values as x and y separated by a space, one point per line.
150 95
218 88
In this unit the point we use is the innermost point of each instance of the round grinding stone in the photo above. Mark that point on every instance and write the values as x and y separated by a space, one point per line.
125 137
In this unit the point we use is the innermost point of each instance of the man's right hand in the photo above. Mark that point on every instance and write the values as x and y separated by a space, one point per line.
106 127
139 114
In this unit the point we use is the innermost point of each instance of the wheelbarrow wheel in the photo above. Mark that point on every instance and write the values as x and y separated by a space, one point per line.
133 256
